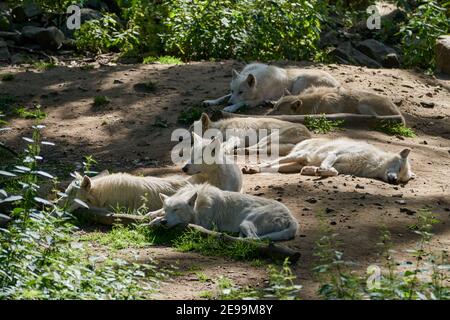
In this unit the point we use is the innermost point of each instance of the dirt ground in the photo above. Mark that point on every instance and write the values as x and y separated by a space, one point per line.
122 137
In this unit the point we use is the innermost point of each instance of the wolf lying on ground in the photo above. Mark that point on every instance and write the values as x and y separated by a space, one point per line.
259 83
328 100
212 208
289 133
330 157
125 190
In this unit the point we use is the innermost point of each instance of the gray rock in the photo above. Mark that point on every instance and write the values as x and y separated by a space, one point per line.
11 36
18 58
379 52
346 53
88 14
331 38
25 12
443 54
48 38
4 220
4 52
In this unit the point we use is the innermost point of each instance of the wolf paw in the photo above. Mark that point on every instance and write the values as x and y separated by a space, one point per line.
309 171
229 109
331 172
250 169
208 103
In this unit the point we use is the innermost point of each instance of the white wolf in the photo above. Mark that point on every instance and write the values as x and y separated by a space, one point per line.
317 100
223 172
288 133
329 157
259 83
212 208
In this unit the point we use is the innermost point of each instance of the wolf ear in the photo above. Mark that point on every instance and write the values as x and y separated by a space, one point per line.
296 104
404 153
86 183
251 80
235 73
76 175
163 197
205 120
287 92
192 200
101 174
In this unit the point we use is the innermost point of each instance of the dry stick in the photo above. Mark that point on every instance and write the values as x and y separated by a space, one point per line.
266 250
350 119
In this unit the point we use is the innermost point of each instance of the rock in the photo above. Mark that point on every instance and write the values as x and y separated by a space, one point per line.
331 38
358 186
25 12
407 211
4 219
4 52
329 210
379 52
11 36
48 38
402 202
428 105
311 200
87 14
346 53
443 54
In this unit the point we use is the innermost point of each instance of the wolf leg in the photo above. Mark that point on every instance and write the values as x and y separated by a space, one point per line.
326 167
208 103
248 230
234 107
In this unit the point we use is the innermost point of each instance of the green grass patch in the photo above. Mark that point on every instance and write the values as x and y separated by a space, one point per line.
162 60
395 129
322 124
44 65
190 115
118 238
35 113
160 122
6 101
7 77
100 101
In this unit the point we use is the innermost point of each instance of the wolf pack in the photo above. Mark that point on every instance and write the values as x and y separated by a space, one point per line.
210 193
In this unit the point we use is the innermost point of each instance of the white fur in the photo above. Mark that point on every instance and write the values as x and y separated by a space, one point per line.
329 157
212 208
259 83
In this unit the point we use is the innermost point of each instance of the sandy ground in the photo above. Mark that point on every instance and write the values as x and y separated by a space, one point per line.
122 137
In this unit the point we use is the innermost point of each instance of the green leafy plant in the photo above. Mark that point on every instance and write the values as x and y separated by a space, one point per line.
7 77
425 24
162 60
395 128
37 113
322 124
190 115
42 65
100 101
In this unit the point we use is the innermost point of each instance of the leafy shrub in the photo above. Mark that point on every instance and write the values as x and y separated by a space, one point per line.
395 128
105 34
37 113
202 29
190 115
425 24
322 124
7 77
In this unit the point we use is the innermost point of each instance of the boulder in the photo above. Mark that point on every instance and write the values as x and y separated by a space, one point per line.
25 12
443 54
4 52
379 52
346 53
11 36
48 38
331 38
88 14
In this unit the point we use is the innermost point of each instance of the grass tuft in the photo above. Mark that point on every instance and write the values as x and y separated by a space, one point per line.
395 129
162 60
100 101
322 124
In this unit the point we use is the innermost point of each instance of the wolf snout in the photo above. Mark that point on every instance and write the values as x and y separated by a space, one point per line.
392 178
163 222
185 169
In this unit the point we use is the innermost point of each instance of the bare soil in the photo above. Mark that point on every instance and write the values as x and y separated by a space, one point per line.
122 137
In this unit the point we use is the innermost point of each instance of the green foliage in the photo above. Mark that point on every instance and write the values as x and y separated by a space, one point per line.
424 279
425 24
395 128
190 115
37 113
162 60
260 29
7 77
211 246
322 124
42 65
39 258
119 237
105 34
281 286
100 101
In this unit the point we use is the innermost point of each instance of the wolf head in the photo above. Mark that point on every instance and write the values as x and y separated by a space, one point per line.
398 169
243 88
201 149
80 188
287 103
178 209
